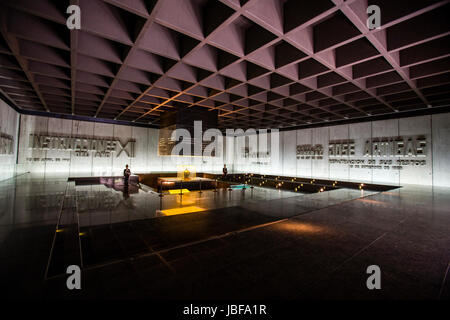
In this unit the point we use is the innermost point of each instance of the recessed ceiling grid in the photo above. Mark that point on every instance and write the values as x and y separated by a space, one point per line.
260 63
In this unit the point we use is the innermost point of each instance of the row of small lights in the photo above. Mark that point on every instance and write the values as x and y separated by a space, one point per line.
62 230
279 185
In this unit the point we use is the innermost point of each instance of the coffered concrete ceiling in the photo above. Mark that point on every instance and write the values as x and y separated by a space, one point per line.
260 63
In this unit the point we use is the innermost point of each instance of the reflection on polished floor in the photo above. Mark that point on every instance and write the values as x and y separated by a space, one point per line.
253 243
99 204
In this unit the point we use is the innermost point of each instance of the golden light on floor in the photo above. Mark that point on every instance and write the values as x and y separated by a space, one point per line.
177 191
188 200
294 226
183 210
376 202
391 193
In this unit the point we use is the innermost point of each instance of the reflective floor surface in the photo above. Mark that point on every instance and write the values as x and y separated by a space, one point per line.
253 243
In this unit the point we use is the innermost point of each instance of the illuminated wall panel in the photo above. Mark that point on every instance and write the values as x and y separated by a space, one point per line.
359 133
304 158
154 163
385 128
61 167
360 152
55 161
124 134
338 169
30 160
80 166
411 127
441 149
8 140
140 135
320 168
289 152
412 150
102 166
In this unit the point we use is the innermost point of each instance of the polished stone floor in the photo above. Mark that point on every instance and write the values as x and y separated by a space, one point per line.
243 244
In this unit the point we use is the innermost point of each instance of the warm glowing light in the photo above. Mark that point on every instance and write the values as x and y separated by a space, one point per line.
177 191
186 172
189 200
82 234
59 230
299 227
375 202
184 210
391 193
